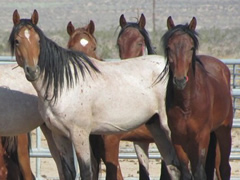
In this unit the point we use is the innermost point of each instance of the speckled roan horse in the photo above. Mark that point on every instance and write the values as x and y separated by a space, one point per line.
133 41
79 95
199 102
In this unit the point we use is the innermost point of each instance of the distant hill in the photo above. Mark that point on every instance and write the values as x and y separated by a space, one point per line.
55 14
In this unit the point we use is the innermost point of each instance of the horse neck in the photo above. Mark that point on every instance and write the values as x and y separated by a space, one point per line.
183 98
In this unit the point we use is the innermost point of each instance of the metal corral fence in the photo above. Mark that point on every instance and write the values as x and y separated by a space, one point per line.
128 153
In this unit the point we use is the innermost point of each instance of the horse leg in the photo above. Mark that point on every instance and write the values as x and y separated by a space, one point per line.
223 134
65 150
80 140
161 136
197 153
97 150
211 157
110 157
141 149
164 172
23 156
53 149
3 168
217 162
186 173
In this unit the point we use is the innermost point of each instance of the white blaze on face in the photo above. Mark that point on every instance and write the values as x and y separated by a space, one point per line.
83 42
27 34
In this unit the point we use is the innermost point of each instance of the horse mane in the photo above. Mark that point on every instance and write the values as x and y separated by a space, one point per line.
144 33
56 61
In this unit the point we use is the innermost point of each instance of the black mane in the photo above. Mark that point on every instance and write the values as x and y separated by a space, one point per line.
55 61
144 34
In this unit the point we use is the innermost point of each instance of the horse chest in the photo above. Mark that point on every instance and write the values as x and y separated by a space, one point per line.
183 122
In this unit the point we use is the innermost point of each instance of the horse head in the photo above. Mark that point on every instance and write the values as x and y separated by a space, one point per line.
82 39
25 44
133 39
180 44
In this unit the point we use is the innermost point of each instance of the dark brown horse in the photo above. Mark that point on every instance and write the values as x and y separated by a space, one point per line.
198 101
14 158
133 41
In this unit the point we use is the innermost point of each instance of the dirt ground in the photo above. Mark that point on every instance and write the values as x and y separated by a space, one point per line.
129 167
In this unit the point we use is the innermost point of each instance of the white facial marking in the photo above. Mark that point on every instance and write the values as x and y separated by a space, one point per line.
83 42
27 34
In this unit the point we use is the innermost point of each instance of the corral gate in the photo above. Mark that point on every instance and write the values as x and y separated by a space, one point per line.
234 65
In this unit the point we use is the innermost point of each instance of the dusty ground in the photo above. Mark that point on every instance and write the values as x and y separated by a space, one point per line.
48 170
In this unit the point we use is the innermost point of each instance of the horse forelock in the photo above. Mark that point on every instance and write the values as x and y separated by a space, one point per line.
143 32
184 29
84 31
55 62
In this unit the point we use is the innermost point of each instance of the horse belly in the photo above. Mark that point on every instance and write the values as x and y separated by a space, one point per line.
123 115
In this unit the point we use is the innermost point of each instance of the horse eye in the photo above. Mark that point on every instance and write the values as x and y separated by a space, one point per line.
193 49
16 42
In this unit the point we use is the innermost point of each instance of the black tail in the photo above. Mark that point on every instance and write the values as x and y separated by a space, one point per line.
211 156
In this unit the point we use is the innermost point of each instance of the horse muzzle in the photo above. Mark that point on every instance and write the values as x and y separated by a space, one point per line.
32 73
180 83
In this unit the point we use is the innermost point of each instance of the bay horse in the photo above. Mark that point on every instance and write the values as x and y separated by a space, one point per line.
198 101
77 94
14 158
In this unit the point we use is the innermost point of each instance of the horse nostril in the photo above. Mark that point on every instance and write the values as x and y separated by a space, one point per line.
28 70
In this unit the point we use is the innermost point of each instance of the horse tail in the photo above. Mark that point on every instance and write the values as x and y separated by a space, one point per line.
96 147
211 156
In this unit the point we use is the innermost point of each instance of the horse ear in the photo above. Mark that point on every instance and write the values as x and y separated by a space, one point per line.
34 17
193 24
70 28
122 21
170 23
16 18
91 27
142 21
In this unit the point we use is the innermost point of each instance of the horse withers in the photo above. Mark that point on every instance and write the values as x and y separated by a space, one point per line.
199 101
77 94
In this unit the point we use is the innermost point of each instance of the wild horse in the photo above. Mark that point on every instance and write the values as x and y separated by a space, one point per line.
133 41
198 101
77 95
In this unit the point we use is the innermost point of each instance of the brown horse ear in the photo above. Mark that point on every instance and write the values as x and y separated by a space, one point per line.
122 21
34 17
70 28
16 18
170 23
193 24
91 27
142 21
